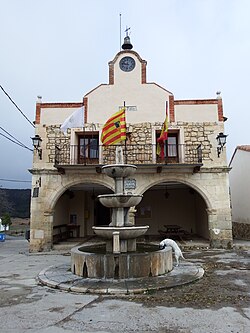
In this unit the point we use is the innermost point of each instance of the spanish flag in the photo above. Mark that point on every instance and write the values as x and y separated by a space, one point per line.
163 137
114 130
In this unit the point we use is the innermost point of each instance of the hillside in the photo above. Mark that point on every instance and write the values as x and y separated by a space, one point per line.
16 202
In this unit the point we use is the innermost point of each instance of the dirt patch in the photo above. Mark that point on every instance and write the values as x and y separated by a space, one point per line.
18 226
225 283
16 221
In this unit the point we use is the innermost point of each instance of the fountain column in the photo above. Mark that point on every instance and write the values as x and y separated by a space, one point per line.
120 202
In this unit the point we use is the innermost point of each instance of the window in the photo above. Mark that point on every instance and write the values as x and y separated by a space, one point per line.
88 148
171 147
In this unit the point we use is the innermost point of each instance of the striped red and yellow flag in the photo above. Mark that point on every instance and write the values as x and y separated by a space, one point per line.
114 130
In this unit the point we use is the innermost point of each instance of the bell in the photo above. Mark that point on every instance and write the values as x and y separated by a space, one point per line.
127 45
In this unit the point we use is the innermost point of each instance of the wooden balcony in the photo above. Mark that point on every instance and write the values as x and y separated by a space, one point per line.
73 155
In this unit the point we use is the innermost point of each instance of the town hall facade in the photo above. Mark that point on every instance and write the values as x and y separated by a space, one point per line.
188 187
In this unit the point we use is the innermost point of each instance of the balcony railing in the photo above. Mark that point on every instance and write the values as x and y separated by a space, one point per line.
133 154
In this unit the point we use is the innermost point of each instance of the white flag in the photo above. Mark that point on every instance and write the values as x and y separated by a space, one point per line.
75 120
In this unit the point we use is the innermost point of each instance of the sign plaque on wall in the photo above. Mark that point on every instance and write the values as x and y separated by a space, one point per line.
129 184
35 192
129 107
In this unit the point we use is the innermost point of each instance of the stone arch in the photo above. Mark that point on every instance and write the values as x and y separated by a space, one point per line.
55 195
200 189
196 219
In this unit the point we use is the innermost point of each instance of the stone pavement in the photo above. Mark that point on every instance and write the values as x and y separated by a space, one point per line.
27 306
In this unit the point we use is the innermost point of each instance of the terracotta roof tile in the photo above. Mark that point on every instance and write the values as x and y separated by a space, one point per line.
244 147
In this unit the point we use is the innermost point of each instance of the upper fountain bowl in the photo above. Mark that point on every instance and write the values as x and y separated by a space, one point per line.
119 200
119 170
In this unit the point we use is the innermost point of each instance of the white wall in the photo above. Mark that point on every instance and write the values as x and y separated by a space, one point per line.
240 186
196 113
55 116
2 228
61 215
149 98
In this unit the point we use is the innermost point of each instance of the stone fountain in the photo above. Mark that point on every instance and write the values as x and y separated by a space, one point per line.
120 234
120 257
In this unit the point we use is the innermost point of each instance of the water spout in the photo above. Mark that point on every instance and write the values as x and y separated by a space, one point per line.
119 155
116 242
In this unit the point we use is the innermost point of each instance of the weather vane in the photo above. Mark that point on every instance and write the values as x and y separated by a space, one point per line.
127 30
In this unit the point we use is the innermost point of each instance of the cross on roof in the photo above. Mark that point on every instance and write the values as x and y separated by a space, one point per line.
127 30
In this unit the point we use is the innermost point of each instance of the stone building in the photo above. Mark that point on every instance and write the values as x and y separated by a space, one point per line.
188 188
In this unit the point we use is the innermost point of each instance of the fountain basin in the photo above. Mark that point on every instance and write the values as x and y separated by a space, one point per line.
119 200
124 232
92 262
119 170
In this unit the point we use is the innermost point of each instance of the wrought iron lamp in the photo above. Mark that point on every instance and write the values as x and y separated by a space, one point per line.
221 139
36 141
166 194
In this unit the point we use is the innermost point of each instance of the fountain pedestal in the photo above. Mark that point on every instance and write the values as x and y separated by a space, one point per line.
127 236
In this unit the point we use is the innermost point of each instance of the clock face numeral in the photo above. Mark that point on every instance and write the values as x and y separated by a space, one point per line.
127 64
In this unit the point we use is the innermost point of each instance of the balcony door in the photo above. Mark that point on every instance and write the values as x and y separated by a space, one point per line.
171 148
88 148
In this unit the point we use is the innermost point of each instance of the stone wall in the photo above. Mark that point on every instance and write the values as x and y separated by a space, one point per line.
241 230
139 135
55 137
198 134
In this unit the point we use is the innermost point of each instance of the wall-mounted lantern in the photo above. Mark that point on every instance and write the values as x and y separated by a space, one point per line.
221 139
36 141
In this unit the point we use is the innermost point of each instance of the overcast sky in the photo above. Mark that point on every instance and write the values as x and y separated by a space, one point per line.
60 49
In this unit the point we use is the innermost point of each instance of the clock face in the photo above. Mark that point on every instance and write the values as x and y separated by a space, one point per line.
127 64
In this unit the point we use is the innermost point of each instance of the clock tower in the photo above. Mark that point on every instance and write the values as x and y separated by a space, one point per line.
127 65
127 83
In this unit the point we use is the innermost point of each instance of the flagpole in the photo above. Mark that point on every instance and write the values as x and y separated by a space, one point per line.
120 31
83 115
124 105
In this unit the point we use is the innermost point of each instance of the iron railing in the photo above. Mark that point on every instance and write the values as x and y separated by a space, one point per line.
133 154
